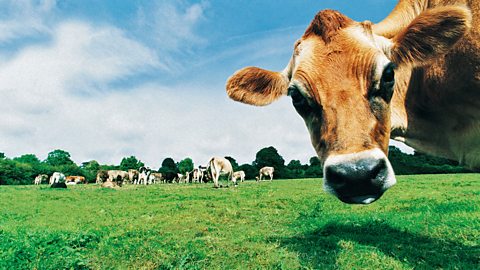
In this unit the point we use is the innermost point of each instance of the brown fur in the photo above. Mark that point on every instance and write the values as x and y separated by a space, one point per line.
436 99
109 184
256 86
433 32
326 23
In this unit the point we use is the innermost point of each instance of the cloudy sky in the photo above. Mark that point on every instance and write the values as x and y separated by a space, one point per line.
108 79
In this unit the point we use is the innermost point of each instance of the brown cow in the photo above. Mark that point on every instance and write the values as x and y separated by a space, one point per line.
75 179
110 184
414 77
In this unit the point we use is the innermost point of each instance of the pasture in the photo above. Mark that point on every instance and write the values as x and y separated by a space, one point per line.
429 221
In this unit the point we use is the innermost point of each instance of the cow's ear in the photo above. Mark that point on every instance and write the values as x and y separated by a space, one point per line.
433 33
256 86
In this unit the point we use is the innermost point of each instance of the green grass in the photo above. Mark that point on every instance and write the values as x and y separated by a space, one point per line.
424 222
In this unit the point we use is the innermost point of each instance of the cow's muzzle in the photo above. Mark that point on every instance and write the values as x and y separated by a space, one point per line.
359 178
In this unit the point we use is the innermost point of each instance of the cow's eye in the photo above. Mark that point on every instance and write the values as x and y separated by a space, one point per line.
388 75
387 82
298 99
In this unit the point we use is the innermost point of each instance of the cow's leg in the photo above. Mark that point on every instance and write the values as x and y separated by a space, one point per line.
215 179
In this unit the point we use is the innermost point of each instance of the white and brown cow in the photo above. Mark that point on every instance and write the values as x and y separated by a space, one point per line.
195 175
117 176
220 166
75 179
110 184
413 77
239 175
156 177
265 172
40 178
132 176
102 176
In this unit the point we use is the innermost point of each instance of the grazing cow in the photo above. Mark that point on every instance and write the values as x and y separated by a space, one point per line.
75 179
110 184
132 176
58 185
239 175
169 177
154 177
413 77
264 172
102 176
220 166
57 177
204 175
196 176
143 175
117 176
40 178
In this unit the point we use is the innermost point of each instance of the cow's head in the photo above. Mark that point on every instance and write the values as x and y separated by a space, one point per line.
341 79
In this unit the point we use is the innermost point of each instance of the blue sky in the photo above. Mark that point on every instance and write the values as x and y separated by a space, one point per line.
109 79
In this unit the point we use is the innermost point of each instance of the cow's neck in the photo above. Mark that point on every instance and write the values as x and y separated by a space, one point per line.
438 113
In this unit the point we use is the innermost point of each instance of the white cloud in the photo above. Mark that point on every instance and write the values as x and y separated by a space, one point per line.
24 18
172 24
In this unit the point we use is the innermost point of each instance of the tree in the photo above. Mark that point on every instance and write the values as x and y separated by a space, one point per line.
269 156
296 169
2 155
233 162
130 162
27 158
315 169
58 157
91 169
185 165
169 169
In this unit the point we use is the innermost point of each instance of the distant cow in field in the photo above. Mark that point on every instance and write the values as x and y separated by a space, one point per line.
57 177
181 178
413 77
265 172
196 176
143 175
156 177
169 177
40 178
220 166
239 175
75 179
133 176
110 184
203 174
102 176
117 176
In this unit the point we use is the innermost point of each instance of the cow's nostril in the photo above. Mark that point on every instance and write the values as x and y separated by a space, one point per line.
357 178
336 176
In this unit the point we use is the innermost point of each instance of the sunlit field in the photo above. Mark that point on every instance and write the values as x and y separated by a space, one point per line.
429 221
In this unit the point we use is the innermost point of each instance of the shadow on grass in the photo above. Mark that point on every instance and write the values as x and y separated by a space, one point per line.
320 247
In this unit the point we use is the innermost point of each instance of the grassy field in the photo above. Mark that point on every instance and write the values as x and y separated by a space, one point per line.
424 222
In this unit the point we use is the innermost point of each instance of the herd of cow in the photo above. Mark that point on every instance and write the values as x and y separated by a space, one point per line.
217 166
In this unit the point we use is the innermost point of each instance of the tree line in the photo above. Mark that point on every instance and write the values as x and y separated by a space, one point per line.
23 169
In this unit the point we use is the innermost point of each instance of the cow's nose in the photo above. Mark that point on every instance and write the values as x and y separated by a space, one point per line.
360 180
